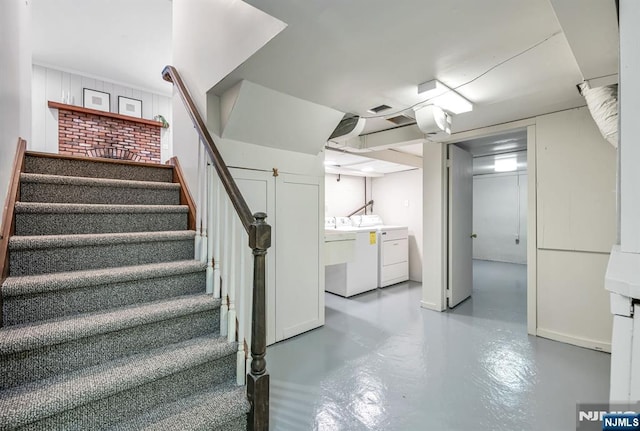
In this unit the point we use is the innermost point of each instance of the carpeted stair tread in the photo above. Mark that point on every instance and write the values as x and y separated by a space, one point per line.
41 254
96 168
229 399
20 338
96 182
69 189
34 284
64 241
70 208
34 401
43 218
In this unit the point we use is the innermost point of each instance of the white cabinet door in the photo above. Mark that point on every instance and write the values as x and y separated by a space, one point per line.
395 251
299 254
295 261
258 189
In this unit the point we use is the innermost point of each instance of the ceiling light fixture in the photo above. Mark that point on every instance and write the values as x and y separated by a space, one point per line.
431 119
506 164
440 95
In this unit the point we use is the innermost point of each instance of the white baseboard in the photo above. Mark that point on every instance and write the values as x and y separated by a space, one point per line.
430 306
576 341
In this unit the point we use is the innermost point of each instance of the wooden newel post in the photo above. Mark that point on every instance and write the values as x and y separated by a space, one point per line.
257 378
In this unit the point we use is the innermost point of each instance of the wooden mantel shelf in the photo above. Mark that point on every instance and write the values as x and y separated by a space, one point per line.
74 108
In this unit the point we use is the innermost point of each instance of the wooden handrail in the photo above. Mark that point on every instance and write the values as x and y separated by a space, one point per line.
170 74
185 195
259 233
8 219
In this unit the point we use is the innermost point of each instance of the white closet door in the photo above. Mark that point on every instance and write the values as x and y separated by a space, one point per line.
299 254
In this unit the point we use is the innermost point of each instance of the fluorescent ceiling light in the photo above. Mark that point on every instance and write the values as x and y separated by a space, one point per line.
440 95
507 164
330 163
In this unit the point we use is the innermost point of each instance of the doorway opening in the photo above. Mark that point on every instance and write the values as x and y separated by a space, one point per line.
487 219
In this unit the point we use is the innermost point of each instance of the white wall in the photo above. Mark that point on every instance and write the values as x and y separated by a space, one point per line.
576 201
434 261
500 216
629 128
52 85
210 39
344 196
398 200
15 83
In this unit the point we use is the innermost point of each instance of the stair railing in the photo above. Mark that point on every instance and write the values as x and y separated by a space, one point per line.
361 208
221 242
7 226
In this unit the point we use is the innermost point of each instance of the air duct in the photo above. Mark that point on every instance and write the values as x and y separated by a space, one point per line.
348 128
603 105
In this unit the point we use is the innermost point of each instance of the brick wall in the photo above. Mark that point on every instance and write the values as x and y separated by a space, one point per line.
93 135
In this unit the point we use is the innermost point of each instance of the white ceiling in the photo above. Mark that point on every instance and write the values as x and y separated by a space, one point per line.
123 41
354 55
508 142
340 162
509 57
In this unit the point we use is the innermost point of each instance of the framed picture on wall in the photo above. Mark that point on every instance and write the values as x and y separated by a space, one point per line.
94 99
130 107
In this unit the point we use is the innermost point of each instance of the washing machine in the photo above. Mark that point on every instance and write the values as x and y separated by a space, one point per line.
393 249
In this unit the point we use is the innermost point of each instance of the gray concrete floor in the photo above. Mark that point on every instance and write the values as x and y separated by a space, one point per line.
383 363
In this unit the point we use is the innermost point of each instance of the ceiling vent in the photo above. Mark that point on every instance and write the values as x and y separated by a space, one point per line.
401 120
378 109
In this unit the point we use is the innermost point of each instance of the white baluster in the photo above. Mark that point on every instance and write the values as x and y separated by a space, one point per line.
233 279
198 237
212 237
217 234
241 372
205 208
226 258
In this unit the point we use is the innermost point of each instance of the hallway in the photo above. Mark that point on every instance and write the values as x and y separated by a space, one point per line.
383 363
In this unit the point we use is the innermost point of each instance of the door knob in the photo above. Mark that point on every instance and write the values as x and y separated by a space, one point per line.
474 235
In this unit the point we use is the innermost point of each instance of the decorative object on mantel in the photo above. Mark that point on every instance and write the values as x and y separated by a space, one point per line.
97 100
160 118
130 107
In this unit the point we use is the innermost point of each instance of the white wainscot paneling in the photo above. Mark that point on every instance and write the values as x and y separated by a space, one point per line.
573 305
54 85
576 183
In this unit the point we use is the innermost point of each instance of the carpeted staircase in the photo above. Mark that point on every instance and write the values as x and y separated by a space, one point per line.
106 323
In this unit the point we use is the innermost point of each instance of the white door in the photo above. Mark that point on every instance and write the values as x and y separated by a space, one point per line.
258 189
460 225
299 254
